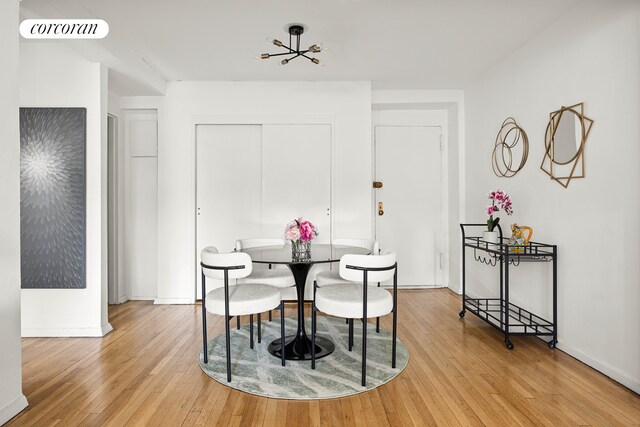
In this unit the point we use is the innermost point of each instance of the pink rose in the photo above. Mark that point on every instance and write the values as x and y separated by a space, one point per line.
292 231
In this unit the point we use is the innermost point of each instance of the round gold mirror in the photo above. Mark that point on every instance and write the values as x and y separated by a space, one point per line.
565 138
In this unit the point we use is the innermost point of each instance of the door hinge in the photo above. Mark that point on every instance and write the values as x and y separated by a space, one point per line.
441 142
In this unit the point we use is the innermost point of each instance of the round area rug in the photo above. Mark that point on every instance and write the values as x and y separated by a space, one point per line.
336 375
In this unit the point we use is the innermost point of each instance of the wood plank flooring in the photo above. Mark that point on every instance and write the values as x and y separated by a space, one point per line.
460 373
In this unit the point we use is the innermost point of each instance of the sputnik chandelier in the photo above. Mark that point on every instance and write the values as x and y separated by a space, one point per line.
293 50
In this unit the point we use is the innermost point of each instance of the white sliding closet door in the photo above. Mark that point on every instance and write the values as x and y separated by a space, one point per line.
296 177
228 186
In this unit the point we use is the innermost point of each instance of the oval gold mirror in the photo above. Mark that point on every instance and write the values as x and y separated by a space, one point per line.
565 139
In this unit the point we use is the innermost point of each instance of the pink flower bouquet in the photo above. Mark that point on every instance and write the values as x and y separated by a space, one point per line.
300 230
499 200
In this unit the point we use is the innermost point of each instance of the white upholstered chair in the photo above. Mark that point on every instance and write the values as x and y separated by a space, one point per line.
277 277
234 300
358 300
331 277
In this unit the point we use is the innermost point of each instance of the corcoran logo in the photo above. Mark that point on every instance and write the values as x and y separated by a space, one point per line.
64 29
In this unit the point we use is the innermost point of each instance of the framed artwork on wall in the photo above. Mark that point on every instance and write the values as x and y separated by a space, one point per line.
53 197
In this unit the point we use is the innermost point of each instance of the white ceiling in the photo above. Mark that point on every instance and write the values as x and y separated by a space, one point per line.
394 43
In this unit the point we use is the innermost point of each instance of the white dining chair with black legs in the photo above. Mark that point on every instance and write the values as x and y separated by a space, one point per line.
277 277
359 300
234 300
332 277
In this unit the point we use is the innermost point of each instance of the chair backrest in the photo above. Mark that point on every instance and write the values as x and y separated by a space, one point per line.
258 243
361 262
211 258
372 245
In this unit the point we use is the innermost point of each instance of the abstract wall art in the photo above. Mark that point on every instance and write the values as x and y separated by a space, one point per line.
52 197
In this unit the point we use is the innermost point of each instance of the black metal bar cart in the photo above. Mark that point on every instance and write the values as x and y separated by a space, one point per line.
500 313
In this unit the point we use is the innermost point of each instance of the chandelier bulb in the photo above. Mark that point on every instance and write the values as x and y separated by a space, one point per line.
277 42
270 39
264 56
284 62
315 61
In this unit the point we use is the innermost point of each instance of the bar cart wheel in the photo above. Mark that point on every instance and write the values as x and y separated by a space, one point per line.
509 345
461 314
552 344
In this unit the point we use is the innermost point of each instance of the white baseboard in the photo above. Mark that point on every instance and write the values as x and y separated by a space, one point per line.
160 301
611 372
13 409
106 328
66 332
123 299
142 299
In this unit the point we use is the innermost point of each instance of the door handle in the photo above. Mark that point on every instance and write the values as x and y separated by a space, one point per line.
380 209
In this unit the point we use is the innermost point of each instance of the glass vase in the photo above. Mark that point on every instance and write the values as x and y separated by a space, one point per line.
300 251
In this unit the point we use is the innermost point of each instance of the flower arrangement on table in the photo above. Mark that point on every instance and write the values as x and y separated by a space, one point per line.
499 201
300 233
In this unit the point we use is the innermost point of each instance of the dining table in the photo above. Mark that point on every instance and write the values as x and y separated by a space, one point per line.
298 346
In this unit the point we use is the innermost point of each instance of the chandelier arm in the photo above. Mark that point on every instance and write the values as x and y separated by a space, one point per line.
288 48
280 54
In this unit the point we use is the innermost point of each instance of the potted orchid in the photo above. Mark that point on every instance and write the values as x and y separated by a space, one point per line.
300 233
499 200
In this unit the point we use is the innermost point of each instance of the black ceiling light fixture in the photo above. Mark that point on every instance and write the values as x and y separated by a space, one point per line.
293 50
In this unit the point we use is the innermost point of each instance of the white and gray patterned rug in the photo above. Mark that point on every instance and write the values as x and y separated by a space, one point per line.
258 372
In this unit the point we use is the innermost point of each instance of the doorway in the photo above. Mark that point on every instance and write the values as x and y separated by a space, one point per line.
409 214
112 209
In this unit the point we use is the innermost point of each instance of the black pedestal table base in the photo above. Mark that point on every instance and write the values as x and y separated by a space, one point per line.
300 349
298 346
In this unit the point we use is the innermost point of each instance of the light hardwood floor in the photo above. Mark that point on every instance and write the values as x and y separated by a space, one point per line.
460 373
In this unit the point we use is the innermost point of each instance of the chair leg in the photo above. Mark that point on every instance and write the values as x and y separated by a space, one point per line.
364 354
237 322
313 335
395 328
259 328
350 321
204 321
282 333
228 343
270 318
378 319
251 331
204 334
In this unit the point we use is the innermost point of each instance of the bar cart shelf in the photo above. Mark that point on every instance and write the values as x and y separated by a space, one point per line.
499 312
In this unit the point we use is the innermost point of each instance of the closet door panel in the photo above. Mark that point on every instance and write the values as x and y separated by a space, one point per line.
228 186
296 177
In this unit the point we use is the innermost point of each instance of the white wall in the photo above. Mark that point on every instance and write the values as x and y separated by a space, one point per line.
348 102
589 55
12 400
52 75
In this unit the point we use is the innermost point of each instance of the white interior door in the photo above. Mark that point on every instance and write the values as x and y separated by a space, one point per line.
296 177
408 162
141 140
229 193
